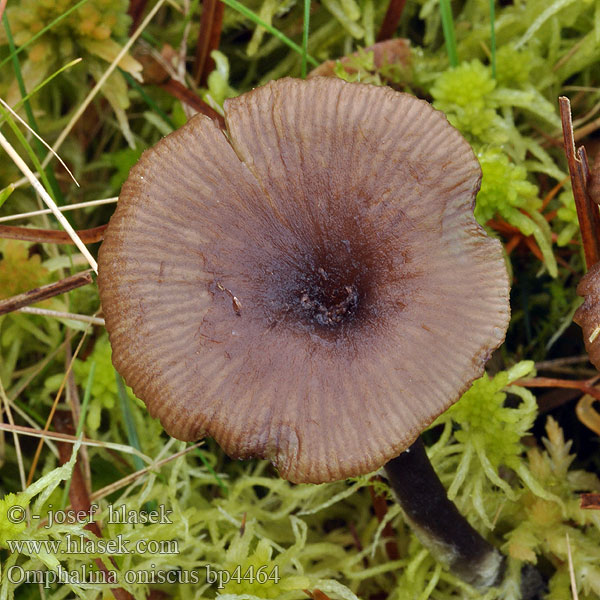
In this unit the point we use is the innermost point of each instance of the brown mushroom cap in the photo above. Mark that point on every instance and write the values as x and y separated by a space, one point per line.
310 287
587 316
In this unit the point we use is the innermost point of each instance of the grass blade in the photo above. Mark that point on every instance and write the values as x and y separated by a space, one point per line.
275 32
48 79
49 179
448 27
493 35
6 192
305 30
132 434
209 468
149 101
6 116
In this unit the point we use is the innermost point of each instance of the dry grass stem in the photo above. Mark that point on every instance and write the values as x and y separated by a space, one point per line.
57 314
571 570
79 497
39 188
44 434
18 452
121 483
47 211
587 211
587 414
51 236
25 124
16 392
561 362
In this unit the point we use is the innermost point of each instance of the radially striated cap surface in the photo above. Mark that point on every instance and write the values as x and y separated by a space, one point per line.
310 286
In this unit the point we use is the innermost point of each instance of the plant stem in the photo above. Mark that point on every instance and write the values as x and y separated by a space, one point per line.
437 522
305 31
45 292
391 20
444 531
587 211
493 36
209 37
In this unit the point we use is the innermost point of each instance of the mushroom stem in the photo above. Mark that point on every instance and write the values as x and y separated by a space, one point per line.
438 523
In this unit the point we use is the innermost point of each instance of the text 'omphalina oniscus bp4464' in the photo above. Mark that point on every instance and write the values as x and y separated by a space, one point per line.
309 286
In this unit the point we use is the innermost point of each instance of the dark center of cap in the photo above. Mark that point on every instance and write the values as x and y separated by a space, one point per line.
328 303
330 282
329 288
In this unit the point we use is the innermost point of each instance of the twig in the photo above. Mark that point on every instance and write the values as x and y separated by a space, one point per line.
587 211
136 10
45 292
157 73
209 38
391 19
583 386
593 184
182 93
590 501
63 437
51 236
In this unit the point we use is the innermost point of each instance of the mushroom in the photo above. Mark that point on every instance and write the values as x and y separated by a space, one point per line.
587 316
395 51
310 286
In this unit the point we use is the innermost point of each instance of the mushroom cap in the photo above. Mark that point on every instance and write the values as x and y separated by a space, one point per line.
587 316
310 286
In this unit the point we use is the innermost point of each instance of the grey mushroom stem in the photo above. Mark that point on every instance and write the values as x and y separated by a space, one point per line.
443 529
